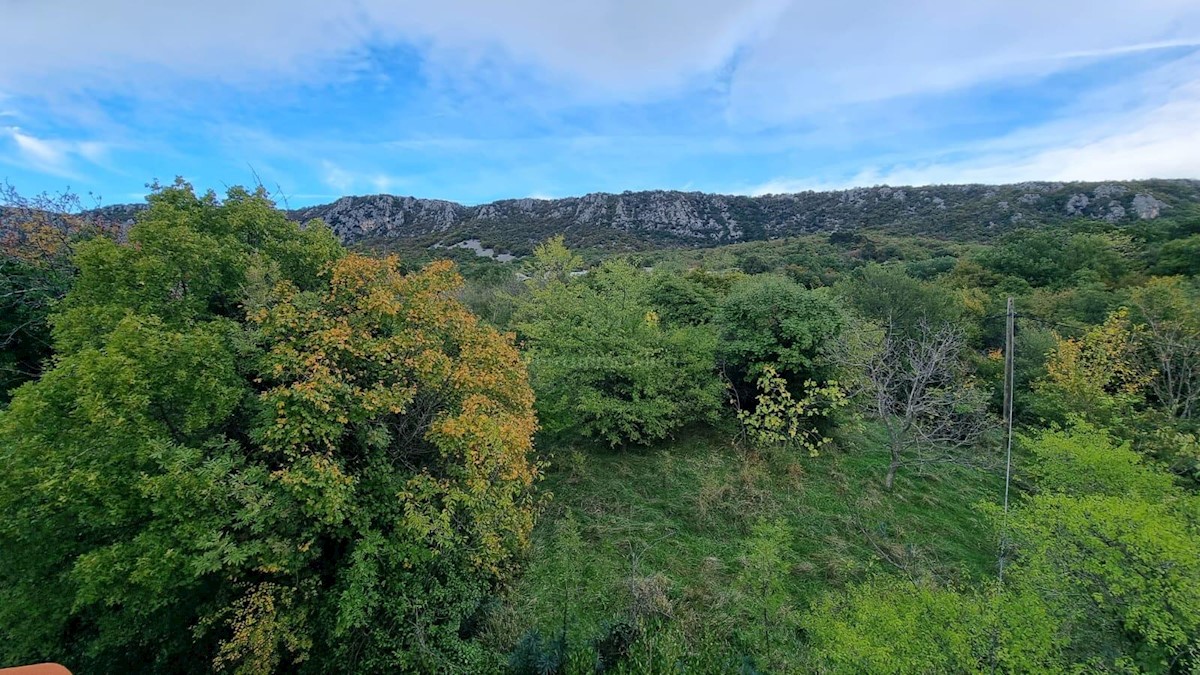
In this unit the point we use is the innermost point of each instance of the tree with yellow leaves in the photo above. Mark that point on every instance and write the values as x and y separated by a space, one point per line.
256 453
1095 376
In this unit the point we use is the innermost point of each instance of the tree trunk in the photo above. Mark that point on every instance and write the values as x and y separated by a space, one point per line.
891 473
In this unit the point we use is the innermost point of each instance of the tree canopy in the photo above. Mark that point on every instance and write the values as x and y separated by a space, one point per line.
251 447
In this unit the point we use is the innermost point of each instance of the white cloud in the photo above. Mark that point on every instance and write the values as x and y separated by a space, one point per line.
790 75
383 183
620 46
345 181
780 59
336 177
832 54
53 156
37 150
1102 138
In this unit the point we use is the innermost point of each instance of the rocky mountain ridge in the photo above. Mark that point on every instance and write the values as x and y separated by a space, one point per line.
694 218
631 220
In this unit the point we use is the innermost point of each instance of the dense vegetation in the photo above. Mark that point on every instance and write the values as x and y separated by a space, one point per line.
233 445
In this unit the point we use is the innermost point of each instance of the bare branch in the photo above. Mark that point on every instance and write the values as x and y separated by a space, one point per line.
919 388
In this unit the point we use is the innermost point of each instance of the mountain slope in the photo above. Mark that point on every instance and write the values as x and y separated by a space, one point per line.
638 219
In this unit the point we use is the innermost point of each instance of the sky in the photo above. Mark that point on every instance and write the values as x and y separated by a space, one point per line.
478 100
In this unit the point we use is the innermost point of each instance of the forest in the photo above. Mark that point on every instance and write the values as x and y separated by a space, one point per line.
232 443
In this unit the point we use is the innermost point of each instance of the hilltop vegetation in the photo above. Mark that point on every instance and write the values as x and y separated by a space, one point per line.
233 445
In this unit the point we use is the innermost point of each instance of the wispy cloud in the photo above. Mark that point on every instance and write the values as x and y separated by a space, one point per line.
54 156
474 99
1121 50
824 57
346 181
336 177
1139 128
620 48
777 58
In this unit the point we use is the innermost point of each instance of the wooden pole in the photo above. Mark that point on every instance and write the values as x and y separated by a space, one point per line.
1009 356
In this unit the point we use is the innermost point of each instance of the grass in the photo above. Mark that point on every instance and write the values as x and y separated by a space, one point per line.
658 536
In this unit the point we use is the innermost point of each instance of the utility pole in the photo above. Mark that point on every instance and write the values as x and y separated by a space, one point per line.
1009 356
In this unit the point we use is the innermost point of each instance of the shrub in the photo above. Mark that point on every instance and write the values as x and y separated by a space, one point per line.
681 300
536 654
779 420
768 320
888 296
604 366
1124 571
1095 377
1085 460
891 625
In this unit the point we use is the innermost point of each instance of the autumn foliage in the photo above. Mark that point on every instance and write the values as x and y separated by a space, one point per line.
254 452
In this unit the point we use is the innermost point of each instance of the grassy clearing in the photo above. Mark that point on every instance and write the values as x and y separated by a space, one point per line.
658 536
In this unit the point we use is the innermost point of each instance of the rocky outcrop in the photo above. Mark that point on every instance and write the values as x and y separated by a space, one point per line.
355 218
1077 205
1147 206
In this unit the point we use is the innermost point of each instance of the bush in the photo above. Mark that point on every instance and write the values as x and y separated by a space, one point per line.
1096 377
614 645
778 420
891 625
888 296
1124 572
681 300
1084 460
768 320
536 654
604 366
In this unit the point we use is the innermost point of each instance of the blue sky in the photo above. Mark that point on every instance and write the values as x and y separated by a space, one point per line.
473 100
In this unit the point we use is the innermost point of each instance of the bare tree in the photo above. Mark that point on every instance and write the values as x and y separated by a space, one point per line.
41 228
919 388
1169 337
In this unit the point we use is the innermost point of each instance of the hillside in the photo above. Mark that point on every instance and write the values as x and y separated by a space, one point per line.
635 220
246 445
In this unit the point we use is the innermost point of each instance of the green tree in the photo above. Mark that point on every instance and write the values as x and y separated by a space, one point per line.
680 299
552 261
253 451
1106 257
38 236
1096 376
769 320
604 366
1179 256
886 295
1167 313
1109 542
1125 573
1061 256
